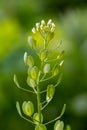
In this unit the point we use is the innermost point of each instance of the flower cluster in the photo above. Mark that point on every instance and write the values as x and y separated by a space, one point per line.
37 75
43 27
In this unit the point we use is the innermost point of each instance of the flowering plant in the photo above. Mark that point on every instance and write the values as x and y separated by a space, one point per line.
49 69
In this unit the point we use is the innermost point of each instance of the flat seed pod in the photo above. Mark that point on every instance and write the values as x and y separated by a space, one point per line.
59 125
34 72
31 82
46 68
43 55
56 70
28 108
30 61
31 42
36 118
40 127
50 92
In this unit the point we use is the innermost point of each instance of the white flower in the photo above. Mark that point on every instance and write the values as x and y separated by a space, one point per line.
43 22
33 30
37 26
49 22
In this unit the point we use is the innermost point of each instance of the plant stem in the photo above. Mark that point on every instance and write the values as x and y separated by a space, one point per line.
38 98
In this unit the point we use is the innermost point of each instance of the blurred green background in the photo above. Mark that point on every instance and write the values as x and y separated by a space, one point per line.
17 17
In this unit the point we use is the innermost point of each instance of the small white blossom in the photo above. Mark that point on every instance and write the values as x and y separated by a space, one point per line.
49 22
43 22
37 26
33 30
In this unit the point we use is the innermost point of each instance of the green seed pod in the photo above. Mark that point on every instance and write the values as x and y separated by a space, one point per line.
36 118
56 70
28 60
50 92
28 108
34 72
32 42
59 57
46 68
31 82
43 55
59 125
40 127
68 127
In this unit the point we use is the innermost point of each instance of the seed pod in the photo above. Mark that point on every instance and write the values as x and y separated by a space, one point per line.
40 127
43 55
59 125
50 92
36 118
56 70
68 127
28 60
34 72
28 108
31 82
31 42
59 57
46 68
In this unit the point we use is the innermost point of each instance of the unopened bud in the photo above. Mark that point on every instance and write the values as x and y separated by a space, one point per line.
49 22
42 22
33 30
37 26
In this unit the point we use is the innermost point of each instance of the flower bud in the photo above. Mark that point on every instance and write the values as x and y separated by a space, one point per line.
34 72
42 22
36 118
49 22
33 30
28 108
31 82
43 55
40 127
50 92
59 125
46 68
37 26
31 42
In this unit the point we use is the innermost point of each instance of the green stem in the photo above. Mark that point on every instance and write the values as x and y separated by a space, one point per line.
38 98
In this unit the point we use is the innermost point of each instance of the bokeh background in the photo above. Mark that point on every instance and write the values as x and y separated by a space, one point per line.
17 17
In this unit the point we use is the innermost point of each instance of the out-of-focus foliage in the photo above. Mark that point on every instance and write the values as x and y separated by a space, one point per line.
16 20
